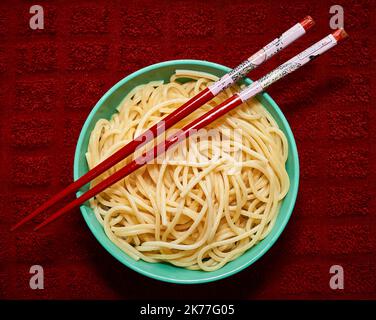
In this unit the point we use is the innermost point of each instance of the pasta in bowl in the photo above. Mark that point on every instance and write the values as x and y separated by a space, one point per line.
209 207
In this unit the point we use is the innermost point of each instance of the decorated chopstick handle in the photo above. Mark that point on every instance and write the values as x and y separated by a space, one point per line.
262 55
293 64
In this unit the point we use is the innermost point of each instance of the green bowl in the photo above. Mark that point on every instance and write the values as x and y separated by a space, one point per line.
106 106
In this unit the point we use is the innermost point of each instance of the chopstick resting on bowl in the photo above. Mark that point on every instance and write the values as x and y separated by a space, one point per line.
187 108
237 99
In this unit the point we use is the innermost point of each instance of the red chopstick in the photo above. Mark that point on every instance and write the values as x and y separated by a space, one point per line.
194 103
253 89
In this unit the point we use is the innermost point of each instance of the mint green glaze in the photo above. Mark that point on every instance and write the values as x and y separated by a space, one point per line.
106 106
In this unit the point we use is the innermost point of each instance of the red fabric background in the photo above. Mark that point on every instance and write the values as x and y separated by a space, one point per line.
51 79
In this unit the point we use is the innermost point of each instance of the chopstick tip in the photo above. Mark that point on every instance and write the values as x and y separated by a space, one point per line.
340 34
14 227
38 226
307 23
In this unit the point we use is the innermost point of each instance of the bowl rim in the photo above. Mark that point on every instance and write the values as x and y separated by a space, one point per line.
293 187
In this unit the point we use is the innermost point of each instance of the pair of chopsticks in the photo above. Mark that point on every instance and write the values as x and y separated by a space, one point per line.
194 103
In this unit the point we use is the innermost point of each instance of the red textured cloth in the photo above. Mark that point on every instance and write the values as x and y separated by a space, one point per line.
50 79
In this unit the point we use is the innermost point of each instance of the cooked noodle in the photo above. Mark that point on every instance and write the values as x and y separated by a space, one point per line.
209 199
